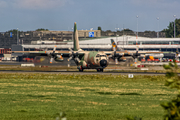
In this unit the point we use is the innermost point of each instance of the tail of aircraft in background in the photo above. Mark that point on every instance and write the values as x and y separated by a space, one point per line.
114 46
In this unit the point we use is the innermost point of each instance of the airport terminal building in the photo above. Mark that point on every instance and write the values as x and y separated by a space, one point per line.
104 43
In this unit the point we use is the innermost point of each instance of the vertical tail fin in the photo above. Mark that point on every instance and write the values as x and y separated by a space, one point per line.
76 38
114 46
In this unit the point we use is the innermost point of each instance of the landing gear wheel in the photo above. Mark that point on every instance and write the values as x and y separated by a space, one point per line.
80 70
99 70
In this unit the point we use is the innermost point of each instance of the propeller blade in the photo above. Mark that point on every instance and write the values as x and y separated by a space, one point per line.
116 60
51 60
70 49
110 56
77 59
135 61
54 49
137 48
69 58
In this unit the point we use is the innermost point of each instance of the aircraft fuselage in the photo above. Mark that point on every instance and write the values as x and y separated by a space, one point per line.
93 60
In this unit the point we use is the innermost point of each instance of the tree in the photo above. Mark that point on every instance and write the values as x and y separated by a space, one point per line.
170 30
108 31
42 29
99 28
128 30
14 31
172 107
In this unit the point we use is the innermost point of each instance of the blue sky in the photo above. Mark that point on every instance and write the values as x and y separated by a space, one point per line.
109 14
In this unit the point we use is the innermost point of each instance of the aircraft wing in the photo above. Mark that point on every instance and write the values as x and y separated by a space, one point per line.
39 53
145 52
34 52
118 52
130 52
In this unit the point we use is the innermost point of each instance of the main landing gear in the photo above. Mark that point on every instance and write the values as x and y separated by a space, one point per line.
99 70
81 70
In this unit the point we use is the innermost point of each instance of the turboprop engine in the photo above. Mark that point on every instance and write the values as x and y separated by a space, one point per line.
54 56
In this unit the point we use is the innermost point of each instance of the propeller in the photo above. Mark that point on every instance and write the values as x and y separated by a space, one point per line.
115 55
135 56
74 56
52 55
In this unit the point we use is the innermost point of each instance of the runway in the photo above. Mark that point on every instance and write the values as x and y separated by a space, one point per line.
84 73
108 71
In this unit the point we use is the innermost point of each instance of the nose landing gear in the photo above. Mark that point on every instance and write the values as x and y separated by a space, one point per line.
99 70
81 69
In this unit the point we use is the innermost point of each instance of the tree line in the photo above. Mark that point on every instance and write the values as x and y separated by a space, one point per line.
170 29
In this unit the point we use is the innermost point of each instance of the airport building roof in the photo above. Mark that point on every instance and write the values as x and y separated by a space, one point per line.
125 38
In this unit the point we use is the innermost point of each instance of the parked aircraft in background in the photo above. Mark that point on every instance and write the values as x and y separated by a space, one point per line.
126 53
145 54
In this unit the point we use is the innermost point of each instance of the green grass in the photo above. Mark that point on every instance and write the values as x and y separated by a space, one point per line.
32 96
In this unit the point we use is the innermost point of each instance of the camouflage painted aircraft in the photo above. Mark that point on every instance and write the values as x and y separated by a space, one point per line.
87 59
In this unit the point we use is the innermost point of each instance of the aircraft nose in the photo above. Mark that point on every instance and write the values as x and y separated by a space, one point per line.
103 63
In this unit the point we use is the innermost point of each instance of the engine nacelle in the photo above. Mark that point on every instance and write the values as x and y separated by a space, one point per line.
58 58
122 59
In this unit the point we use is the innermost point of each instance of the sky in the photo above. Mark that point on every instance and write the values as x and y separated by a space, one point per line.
29 15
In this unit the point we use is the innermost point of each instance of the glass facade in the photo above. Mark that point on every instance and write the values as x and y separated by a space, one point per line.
154 42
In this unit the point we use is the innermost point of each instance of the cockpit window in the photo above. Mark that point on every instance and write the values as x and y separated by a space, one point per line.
102 55
97 55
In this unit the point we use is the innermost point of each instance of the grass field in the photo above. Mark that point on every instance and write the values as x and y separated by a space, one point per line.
31 96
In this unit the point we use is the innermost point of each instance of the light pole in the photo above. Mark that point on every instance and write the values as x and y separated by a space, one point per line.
72 33
17 37
137 29
174 26
116 33
158 27
123 36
